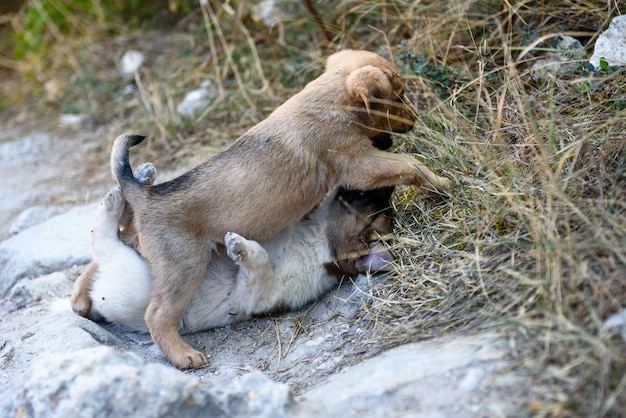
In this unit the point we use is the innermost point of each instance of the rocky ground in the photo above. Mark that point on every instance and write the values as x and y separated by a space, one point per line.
315 362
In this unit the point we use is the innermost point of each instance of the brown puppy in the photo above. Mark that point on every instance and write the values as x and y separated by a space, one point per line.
272 176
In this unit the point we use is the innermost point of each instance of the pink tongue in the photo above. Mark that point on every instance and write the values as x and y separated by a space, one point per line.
378 259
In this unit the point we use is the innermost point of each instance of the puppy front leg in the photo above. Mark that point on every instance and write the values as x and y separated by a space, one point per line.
176 278
381 169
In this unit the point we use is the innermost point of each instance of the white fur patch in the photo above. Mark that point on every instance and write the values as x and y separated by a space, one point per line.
121 290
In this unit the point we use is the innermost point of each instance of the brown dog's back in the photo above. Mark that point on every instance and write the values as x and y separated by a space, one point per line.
227 190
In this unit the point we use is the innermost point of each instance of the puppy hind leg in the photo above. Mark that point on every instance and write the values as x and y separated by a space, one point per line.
175 281
145 173
430 180
103 239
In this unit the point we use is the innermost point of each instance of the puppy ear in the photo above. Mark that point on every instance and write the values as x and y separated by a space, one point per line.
368 83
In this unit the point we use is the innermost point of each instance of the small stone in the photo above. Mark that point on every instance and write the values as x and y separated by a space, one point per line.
72 119
130 63
567 59
615 323
196 100
611 45
268 12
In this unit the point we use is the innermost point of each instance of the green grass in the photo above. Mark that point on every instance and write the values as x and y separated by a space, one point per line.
532 241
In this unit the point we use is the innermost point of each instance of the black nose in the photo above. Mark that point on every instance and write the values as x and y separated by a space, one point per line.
382 141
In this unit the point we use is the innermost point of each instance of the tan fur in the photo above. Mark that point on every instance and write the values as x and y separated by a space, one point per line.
269 178
80 299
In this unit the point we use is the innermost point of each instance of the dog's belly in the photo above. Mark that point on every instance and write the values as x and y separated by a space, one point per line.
296 254
210 305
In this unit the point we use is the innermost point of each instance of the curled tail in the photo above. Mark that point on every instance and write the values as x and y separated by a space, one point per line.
121 169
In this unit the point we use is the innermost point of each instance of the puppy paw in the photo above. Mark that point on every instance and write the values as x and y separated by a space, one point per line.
189 359
114 202
250 255
235 247
105 224
145 173
81 304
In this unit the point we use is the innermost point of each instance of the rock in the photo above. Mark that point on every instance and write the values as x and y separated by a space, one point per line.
53 245
611 44
32 216
349 298
196 100
130 63
45 329
615 323
267 11
567 59
255 395
28 292
72 119
16 152
35 168
448 377
101 382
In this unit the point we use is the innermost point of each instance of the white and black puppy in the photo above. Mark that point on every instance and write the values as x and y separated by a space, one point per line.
246 278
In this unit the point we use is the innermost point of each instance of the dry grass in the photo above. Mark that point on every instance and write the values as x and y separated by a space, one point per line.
533 240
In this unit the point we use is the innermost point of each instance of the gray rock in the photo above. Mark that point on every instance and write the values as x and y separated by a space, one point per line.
130 63
101 382
567 59
611 44
448 377
17 152
615 324
58 243
46 329
196 100
31 217
255 395
42 289
73 119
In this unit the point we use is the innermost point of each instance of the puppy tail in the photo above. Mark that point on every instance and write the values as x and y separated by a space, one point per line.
120 166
